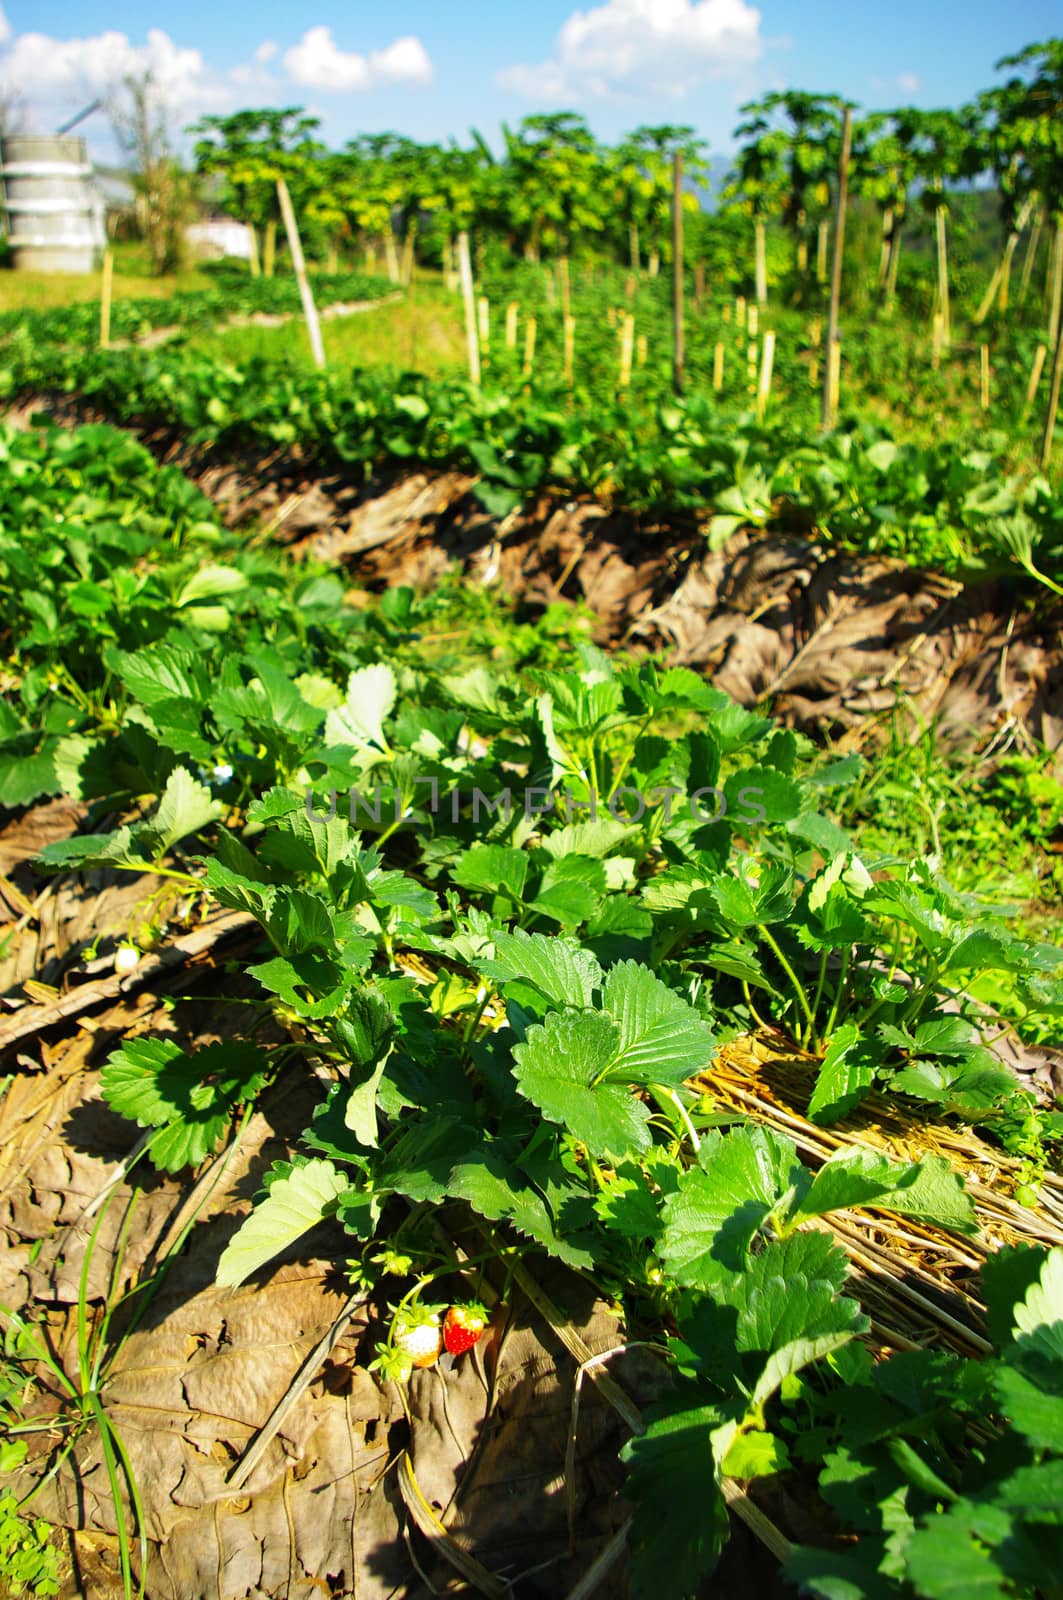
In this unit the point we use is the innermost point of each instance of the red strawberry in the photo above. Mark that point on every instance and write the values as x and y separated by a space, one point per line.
462 1327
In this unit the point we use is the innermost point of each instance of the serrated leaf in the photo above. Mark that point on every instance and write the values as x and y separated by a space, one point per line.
493 868
844 1077
559 969
680 1523
662 1038
186 806
495 1189
929 1189
189 1095
292 1207
721 1203
560 1067
360 720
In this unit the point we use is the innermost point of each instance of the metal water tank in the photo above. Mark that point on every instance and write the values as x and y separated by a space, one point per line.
52 204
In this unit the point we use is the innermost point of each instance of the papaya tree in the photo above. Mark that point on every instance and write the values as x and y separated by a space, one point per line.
250 150
943 148
811 126
883 169
759 185
641 169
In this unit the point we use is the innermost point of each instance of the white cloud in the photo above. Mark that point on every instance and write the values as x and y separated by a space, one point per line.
5 26
317 62
908 81
266 51
660 47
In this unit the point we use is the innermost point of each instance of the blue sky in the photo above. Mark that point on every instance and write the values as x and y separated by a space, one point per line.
432 70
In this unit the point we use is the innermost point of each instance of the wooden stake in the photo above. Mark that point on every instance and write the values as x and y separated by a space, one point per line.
391 257
815 332
699 284
627 349
512 313
269 253
767 363
472 344
753 321
983 376
105 299
740 311
570 343
642 349
678 331
313 327
822 234
1057 378
529 346
252 261
566 293
1040 356
830 390
655 263
483 321
717 368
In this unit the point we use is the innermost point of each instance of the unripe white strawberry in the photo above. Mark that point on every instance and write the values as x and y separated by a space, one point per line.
419 1336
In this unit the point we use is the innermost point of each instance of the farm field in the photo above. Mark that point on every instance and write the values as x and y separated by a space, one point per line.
531 866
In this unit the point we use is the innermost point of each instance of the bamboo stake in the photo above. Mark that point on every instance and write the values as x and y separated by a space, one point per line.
472 344
767 363
740 311
630 286
253 262
269 252
1057 285
655 263
830 391
727 312
407 251
983 376
391 257
483 321
529 346
822 233
941 230
566 292
760 249
717 367
699 284
570 342
834 376
313 327
1057 377
512 313
627 349
1040 356
678 331
1031 254
753 321
937 339
105 299
752 363
642 349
